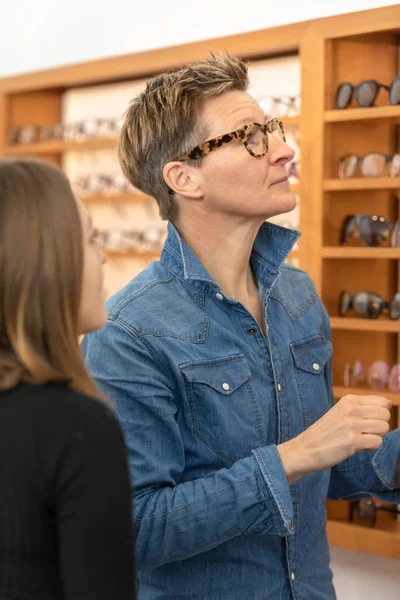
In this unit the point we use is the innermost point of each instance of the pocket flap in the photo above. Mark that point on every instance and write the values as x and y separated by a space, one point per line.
224 374
311 355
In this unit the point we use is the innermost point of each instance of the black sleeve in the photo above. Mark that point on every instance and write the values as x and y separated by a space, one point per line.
93 509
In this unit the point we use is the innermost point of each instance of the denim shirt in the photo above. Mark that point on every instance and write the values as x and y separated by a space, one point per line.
204 398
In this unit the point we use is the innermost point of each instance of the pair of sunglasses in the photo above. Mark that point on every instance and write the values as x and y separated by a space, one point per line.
366 93
364 511
373 164
369 305
371 230
376 376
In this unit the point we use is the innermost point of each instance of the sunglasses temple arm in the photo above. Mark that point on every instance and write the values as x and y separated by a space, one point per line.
347 228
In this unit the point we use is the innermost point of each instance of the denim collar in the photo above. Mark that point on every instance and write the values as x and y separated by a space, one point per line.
271 247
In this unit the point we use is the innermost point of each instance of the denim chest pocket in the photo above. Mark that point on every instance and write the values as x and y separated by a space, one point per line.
311 359
222 408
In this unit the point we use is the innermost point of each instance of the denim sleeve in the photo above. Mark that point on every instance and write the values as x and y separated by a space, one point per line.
174 520
375 473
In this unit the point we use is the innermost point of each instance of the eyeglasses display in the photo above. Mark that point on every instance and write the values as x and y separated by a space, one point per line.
129 240
371 230
372 164
364 511
369 305
254 136
280 106
102 184
366 93
293 169
377 376
74 131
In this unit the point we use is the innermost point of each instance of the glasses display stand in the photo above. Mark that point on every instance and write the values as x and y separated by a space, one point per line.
364 267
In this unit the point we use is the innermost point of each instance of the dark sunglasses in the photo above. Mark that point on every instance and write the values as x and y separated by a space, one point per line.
372 230
366 93
363 512
372 164
369 305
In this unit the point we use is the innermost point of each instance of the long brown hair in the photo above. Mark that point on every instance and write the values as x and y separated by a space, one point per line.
41 269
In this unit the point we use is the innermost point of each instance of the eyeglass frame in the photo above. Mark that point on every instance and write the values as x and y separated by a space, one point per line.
239 134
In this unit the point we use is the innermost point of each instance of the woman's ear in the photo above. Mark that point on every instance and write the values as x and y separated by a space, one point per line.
182 179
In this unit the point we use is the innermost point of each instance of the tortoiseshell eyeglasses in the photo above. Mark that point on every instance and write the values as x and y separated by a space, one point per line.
253 135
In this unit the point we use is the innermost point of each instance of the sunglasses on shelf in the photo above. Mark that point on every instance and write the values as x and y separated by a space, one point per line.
373 164
371 230
369 305
377 376
366 93
364 511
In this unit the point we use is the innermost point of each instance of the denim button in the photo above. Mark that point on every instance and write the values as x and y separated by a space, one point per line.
316 367
219 296
279 387
251 330
226 386
293 576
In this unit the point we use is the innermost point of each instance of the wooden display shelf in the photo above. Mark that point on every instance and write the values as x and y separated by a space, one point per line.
290 121
362 183
58 147
348 323
358 114
133 254
340 391
362 253
383 539
134 197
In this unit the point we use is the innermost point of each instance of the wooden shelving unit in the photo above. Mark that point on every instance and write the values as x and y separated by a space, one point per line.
59 147
358 50
360 253
362 183
362 114
351 47
340 391
383 539
356 324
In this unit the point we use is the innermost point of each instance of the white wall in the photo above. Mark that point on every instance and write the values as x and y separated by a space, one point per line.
37 34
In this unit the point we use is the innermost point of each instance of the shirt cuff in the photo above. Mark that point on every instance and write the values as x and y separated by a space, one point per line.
275 488
386 461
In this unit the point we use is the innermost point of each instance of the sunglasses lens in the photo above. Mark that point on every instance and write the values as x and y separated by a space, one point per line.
343 95
395 237
366 93
373 164
378 375
374 229
344 303
367 305
394 168
394 94
347 166
394 307
353 373
365 513
394 379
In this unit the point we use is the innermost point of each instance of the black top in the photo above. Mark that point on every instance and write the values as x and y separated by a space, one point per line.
65 507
